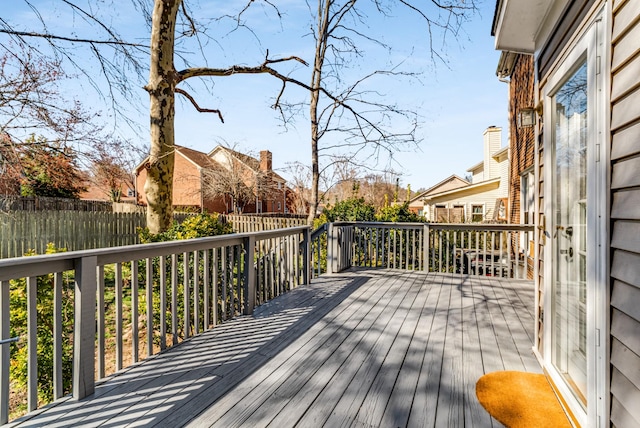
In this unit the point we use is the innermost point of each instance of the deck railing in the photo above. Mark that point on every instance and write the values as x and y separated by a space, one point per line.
471 249
120 305
136 300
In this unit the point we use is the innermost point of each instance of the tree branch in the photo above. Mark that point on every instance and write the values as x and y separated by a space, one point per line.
70 39
196 106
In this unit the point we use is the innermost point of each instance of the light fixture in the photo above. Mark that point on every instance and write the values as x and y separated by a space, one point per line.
526 117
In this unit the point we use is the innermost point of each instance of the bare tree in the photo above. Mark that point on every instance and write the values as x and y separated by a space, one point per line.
335 107
111 164
169 20
230 180
300 187
366 124
31 103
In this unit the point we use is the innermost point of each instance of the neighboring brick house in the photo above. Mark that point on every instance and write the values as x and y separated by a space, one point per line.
193 169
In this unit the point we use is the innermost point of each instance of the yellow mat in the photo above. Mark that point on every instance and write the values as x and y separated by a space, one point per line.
519 399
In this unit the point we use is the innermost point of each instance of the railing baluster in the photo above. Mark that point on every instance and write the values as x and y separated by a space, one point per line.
163 302
185 296
511 272
493 248
118 293
196 292
174 299
32 344
5 350
455 251
206 280
225 279
149 297
215 282
440 251
134 311
101 330
57 336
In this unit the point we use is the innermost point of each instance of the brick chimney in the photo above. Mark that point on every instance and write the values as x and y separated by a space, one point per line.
265 161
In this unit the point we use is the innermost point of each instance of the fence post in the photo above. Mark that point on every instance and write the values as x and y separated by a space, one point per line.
306 256
84 335
425 248
249 275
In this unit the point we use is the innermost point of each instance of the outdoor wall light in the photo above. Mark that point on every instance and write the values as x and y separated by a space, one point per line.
526 117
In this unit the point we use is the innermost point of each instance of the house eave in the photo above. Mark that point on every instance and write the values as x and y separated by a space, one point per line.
502 152
476 166
517 24
506 64
476 186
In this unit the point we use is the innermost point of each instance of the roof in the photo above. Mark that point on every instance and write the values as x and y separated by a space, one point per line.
506 64
502 151
199 159
476 166
475 186
434 187
249 161
518 24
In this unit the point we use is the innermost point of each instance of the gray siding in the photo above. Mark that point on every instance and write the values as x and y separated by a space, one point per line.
625 215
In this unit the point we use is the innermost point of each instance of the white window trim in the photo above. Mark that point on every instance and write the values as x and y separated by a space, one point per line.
484 211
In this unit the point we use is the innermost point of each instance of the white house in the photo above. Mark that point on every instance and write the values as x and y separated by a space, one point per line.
484 199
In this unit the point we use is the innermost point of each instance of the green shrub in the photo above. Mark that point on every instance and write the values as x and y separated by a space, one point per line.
398 213
352 209
197 226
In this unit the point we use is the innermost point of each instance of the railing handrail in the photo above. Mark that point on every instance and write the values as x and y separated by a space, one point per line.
47 263
443 226
319 231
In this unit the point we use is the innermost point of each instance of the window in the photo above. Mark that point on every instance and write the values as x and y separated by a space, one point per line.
279 206
527 189
477 213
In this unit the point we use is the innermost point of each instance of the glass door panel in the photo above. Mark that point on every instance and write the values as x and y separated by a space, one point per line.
570 246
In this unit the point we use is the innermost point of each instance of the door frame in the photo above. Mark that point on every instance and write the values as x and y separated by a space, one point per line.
593 44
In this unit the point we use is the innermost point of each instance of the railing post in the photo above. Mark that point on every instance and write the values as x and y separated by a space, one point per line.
84 335
331 256
425 248
306 256
249 275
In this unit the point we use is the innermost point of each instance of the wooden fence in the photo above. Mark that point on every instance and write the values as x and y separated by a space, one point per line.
21 231
256 223
42 203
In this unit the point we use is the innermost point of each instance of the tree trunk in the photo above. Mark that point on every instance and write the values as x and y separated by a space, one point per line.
316 81
161 87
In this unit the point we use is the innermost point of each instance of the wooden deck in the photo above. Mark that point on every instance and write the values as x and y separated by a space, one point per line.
364 348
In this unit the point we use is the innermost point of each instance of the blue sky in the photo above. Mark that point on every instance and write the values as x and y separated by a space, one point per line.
456 102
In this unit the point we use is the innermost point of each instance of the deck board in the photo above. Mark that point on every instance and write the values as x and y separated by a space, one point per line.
363 348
